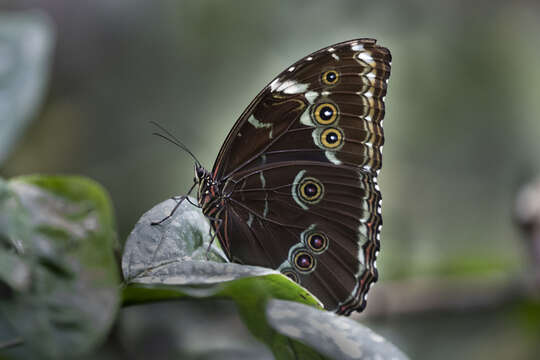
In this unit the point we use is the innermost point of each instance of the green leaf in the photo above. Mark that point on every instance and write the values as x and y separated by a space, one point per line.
26 42
167 262
335 336
184 236
58 236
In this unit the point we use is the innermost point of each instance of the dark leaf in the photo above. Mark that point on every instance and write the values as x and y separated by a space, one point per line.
57 236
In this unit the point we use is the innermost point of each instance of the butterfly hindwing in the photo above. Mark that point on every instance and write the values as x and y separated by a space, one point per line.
329 213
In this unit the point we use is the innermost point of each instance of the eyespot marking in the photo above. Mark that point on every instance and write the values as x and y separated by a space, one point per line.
311 190
330 77
303 261
294 189
306 190
325 113
316 241
291 274
331 138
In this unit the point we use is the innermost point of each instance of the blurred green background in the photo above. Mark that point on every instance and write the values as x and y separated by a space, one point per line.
462 135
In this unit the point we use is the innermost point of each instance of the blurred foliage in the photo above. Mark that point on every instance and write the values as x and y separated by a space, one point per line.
58 274
461 131
26 42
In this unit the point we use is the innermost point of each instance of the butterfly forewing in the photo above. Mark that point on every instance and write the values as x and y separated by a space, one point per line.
298 174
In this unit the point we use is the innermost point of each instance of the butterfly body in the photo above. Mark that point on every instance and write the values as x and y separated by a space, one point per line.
294 187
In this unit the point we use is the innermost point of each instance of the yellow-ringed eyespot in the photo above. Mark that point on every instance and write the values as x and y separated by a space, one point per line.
291 274
311 190
325 113
331 138
317 242
304 262
330 77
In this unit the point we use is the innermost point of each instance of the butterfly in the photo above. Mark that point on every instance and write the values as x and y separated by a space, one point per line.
294 186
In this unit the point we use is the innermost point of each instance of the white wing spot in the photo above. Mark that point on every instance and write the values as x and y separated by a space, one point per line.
365 57
306 119
288 87
266 208
309 58
326 93
296 89
331 156
284 85
263 180
335 56
362 230
331 49
275 84
311 96
261 125
291 69
357 47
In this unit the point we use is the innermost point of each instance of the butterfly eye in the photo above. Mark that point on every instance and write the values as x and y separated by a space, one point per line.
291 274
325 113
330 77
311 190
331 138
304 261
317 242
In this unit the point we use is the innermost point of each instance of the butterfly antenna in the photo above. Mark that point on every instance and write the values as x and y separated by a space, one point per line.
174 140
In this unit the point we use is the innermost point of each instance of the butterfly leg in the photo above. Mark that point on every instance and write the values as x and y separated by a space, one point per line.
214 234
179 200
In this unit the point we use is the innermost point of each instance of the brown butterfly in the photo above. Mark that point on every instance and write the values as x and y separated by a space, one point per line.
294 186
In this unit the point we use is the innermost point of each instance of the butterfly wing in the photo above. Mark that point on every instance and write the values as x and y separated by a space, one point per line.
299 171
351 74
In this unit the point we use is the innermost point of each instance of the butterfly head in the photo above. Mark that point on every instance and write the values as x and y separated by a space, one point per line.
200 173
207 186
